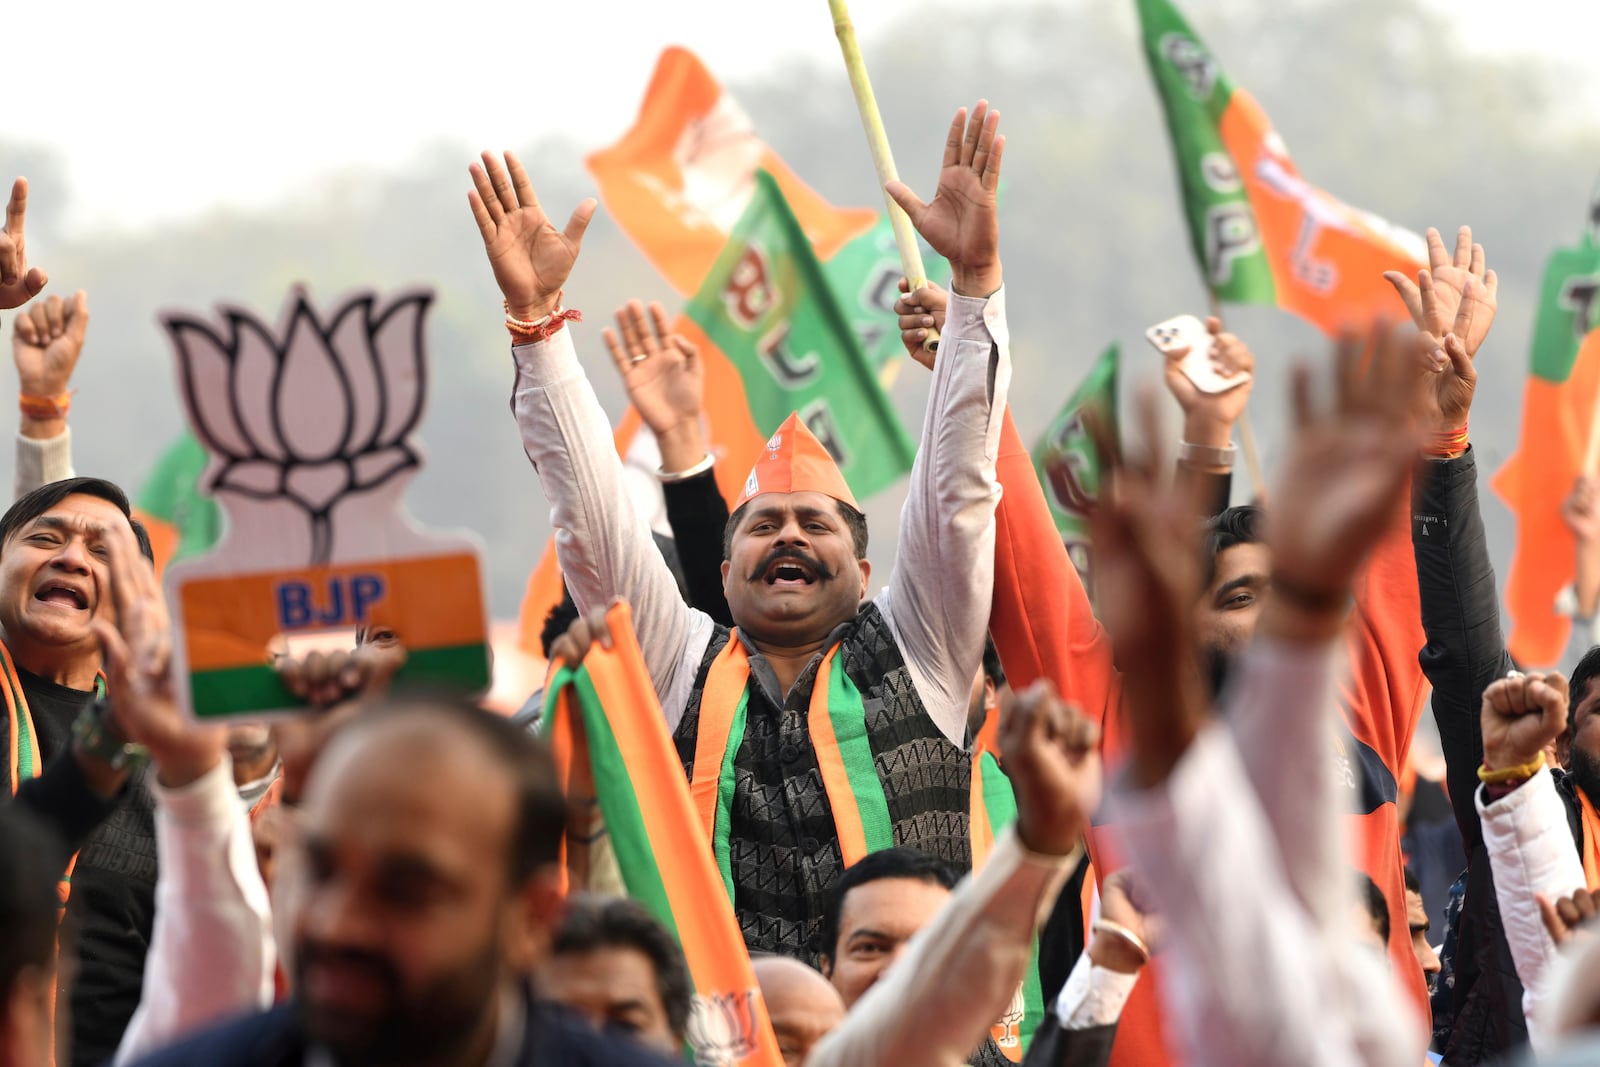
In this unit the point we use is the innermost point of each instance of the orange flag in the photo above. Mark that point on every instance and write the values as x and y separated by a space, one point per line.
682 176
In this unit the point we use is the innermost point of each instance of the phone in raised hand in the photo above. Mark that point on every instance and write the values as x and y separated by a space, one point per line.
1187 331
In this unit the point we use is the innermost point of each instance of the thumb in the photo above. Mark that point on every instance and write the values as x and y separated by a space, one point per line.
35 281
1553 923
909 202
78 319
579 222
1457 352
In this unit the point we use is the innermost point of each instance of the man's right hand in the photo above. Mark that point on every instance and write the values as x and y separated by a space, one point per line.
531 259
1569 917
920 312
18 282
1208 418
1050 753
665 379
1521 715
586 630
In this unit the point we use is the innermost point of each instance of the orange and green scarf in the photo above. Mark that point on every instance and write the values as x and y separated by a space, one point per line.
837 723
605 728
24 762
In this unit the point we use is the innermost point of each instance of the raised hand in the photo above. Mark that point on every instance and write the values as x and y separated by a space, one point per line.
920 312
46 341
1521 715
961 222
1148 581
1341 486
531 259
665 379
1208 418
326 679
136 650
1457 296
18 282
1050 753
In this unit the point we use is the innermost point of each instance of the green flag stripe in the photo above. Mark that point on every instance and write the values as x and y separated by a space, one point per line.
619 805
727 779
770 309
232 690
849 716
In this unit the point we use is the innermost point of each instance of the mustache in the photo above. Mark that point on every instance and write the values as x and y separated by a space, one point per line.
380 967
817 567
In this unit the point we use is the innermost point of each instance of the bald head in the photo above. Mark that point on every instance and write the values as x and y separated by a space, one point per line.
803 1005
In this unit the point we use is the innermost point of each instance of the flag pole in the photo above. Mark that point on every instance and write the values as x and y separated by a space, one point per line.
905 236
1247 432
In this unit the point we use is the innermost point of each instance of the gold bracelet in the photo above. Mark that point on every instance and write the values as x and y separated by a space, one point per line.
1519 773
1116 929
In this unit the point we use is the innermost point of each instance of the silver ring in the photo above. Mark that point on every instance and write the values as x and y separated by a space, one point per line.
1514 674
639 358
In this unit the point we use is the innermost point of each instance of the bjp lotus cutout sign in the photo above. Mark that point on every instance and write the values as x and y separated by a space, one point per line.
309 428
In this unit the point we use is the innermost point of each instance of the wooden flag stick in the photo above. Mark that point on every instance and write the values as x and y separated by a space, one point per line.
1247 432
905 235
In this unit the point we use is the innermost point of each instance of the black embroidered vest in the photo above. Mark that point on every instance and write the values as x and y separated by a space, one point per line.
784 850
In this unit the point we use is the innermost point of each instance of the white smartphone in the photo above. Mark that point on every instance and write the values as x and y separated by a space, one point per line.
1186 331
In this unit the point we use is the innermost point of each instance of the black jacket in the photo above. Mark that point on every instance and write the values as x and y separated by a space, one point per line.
1464 654
274 1039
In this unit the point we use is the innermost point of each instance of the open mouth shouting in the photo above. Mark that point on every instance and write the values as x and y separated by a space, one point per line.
64 594
791 569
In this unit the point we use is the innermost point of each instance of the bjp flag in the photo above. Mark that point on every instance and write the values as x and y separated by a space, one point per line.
680 179
1262 233
1557 413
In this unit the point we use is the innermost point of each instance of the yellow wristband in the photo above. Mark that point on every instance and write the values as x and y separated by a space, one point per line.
1521 772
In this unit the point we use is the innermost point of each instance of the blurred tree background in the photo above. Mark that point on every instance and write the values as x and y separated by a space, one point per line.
1377 100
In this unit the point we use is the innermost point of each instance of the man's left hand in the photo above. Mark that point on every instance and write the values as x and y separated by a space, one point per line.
962 221
137 654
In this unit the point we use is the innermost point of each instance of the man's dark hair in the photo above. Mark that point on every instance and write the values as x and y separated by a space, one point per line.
1232 526
1377 906
45 497
33 864
854 521
1412 885
541 808
991 662
874 867
595 922
1586 671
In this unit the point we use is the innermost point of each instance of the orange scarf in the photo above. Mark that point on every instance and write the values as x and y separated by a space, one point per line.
1591 841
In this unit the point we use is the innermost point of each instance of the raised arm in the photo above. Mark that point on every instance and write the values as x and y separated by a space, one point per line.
1525 827
938 597
1205 459
665 379
46 341
1454 304
604 546
959 973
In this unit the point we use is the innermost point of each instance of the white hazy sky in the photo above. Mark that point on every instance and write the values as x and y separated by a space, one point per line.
169 107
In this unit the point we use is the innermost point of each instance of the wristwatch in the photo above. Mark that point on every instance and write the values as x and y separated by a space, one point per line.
96 735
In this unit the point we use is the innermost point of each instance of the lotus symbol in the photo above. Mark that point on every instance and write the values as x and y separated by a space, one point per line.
722 1028
313 412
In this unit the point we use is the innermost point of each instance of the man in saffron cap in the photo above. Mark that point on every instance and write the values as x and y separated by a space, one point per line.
824 724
